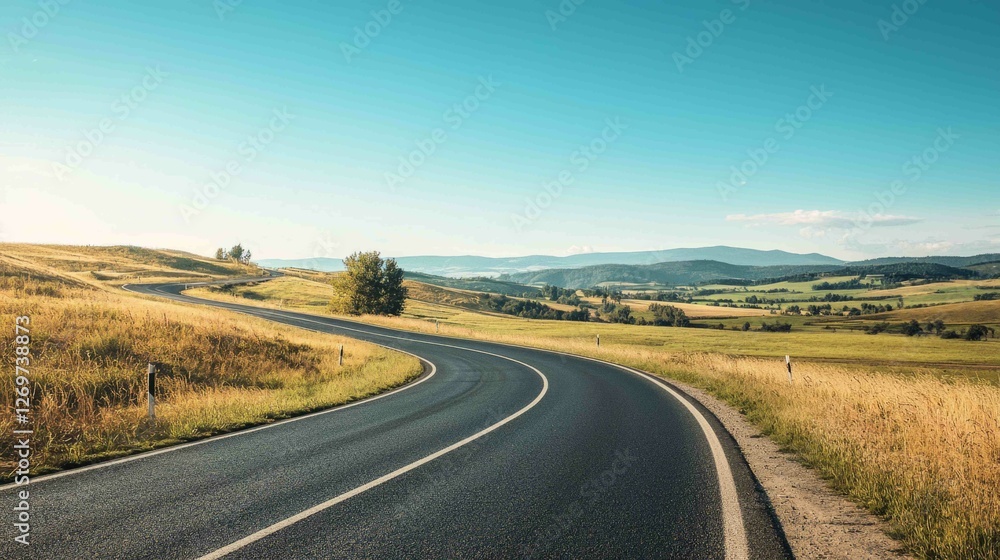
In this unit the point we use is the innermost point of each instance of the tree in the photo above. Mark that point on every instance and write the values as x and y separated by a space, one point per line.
912 328
236 253
669 316
220 254
393 292
369 285
976 332
746 326
937 327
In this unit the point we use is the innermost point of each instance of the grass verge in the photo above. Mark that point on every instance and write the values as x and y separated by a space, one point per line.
222 371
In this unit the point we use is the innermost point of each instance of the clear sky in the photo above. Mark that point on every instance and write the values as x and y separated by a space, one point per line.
502 128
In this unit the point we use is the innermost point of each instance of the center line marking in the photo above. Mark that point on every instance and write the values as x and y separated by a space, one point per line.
270 530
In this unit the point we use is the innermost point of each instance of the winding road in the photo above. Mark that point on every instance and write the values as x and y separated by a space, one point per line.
496 451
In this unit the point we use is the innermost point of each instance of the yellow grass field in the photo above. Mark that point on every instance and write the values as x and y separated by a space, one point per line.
698 311
985 312
909 428
90 344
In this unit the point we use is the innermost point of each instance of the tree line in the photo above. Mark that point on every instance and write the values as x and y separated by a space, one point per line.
236 254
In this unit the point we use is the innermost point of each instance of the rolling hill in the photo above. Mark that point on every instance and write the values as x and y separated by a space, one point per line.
463 266
957 262
667 273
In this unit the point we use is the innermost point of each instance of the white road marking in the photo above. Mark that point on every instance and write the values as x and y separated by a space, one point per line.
148 454
270 530
734 531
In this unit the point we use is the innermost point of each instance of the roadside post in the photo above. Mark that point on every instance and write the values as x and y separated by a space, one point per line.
151 388
598 341
788 362
437 326
340 362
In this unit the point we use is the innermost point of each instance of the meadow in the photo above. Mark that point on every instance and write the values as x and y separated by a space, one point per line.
907 427
90 343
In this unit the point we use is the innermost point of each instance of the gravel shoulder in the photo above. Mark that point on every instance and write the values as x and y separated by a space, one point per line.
818 522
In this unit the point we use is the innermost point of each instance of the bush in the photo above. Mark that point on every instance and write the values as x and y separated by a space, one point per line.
912 328
669 316
877 328
977 332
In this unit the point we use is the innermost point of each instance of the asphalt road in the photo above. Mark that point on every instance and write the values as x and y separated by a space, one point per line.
495 452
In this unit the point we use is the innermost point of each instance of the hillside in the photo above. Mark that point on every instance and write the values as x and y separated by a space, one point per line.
495 286
956 262
989 269
986 312
898 272
667 273
219 371
116 264
462 266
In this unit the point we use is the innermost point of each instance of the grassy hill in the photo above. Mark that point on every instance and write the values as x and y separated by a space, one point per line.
90 342
489 285
989 269
970 312
116 265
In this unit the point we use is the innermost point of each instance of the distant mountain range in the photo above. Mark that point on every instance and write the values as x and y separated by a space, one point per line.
669 267
683 273
687 273
465 266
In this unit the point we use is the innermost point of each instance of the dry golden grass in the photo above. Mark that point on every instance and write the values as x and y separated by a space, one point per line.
697 311
222 371
903 439
986 312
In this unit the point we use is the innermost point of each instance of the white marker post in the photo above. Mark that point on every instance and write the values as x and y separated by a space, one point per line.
437 326
788 362
598 341
151 388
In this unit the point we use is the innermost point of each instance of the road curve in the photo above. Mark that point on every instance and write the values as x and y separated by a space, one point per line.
496 451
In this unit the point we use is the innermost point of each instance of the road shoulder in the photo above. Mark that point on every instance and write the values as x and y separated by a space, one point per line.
817 521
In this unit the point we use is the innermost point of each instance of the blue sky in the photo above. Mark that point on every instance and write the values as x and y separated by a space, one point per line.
504 128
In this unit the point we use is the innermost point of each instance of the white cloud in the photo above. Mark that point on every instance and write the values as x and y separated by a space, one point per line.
579 249
816 223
